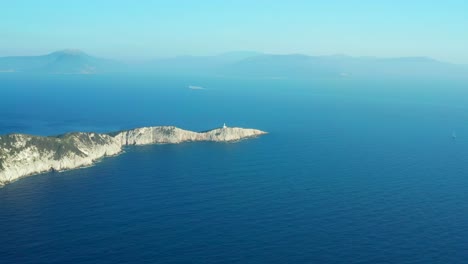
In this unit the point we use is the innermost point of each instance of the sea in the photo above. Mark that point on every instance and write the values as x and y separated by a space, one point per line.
351 171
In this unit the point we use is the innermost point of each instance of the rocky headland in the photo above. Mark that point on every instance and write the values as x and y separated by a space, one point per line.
24 155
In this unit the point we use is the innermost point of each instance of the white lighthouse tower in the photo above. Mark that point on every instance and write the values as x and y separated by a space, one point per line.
224 126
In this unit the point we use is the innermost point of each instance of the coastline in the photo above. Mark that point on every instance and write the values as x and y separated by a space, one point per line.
27 155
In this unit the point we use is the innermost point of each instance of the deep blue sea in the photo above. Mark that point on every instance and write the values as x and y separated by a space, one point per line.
352 171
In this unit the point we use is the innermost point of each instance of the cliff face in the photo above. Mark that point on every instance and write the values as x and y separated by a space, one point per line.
24 155
170 134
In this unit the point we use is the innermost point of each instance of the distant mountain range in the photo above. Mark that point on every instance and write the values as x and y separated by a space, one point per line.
341 66
242 64
59 62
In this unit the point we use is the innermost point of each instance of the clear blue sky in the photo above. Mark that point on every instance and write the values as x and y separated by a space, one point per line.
147 29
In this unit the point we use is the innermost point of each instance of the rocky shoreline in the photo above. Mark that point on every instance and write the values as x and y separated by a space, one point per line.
26 155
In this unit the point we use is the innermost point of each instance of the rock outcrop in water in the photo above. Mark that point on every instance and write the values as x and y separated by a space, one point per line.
23 155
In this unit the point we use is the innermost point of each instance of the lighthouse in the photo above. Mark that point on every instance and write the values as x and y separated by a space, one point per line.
224 125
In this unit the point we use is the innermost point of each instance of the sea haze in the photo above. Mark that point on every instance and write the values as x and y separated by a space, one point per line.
241 65
352 171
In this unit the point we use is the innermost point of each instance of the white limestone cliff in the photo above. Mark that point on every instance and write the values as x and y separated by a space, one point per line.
24 155
171 134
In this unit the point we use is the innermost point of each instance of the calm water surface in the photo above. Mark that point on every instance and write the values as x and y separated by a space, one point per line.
352 171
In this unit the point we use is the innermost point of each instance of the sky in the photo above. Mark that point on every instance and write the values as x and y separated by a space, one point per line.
143 29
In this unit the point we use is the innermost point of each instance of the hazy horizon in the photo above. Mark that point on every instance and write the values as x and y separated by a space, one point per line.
133 32
154 57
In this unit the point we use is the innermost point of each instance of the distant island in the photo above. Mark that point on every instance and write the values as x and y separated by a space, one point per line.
24 155
239 64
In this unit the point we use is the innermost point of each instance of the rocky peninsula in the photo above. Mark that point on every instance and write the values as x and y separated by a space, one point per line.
23 155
